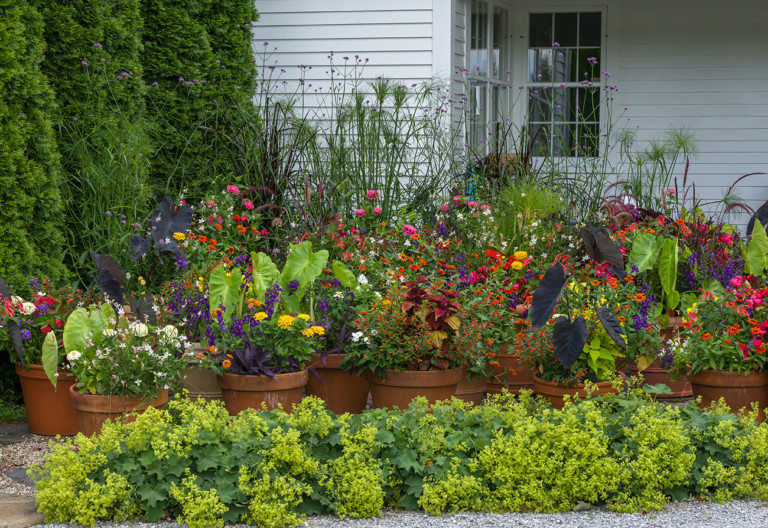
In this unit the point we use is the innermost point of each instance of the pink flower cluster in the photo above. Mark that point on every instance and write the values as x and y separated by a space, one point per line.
409 230
233 189
372 195
248 204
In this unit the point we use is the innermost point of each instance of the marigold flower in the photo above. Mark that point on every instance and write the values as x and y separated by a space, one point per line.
286 321
317 330
520 255
226 363
179 236
261 315
304 317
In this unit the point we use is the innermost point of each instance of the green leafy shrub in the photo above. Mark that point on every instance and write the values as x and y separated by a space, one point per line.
30 174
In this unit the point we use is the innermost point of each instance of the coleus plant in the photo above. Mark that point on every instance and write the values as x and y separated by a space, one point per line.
569 335
437 309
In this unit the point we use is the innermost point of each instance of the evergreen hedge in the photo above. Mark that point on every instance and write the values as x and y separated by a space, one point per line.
30 177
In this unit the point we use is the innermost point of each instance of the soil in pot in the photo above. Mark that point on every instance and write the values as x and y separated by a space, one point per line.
242 392
737 389
95 409
343 391
49 409
554 392
398 389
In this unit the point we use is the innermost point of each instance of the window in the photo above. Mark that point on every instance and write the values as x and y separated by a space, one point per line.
564 50
489 82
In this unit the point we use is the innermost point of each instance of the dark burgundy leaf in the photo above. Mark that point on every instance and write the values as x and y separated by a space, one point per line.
110 287
166 222
15 332
589 242
612 326
106 262
568 340
139 246
168 246
5 290
762 215
546 295
145 309
607 248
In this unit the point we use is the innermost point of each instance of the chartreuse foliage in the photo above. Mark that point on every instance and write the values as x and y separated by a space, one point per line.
273 469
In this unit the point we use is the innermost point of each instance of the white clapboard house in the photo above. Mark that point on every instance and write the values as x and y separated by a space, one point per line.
701 65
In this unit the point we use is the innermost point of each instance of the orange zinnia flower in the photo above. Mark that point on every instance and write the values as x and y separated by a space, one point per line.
706 337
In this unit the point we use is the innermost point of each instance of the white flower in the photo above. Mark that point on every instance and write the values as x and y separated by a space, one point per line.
366 341
170 332
140 330
362 279
110 332
356 336
27 307
338 295
74 355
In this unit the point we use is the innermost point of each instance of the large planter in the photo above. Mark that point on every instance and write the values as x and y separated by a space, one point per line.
554 392
672 329
472 390
199 383
398 389
654 375
95 409
738 390
511 374
343 391
49 409
242 392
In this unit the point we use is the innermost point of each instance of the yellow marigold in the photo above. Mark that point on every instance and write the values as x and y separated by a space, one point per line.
305 317
226 363
318 330
307 332
179 236
260 316
286 321
516 265
520 255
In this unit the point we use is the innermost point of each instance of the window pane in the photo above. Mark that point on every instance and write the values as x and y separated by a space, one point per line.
501 62
565 28
564 59
589 104
563 136
538 135
588 140
540 30
478 115
478 55
540 105
588 67
589 29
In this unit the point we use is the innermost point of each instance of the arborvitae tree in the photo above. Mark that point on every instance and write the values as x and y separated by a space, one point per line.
30 204
196 55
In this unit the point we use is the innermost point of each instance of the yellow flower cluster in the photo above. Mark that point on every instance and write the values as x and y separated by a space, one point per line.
260 316
313 331
305 317
516 265
286 321
179 236
520 255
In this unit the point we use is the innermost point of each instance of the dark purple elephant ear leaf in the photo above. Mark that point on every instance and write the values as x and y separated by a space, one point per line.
139 246
18 343
105 262
166 221
5 290
607 248
568 339
145 309
546 295
589 242
110 288
762 215
612 326
168 245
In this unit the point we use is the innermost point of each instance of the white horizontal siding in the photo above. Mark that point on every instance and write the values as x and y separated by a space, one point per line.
701 65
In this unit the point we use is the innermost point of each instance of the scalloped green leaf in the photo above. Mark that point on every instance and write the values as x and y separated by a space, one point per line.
303 264
668 271
224 290
645 252
264 275
343 275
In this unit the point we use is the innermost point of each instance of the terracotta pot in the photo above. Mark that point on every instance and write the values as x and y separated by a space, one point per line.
672 329
95 409
472 390
554 392
343 391
49 409
399 388
200 383
242 392
654 375
739 390
516 373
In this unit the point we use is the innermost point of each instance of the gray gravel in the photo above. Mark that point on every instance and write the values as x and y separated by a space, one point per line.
737 514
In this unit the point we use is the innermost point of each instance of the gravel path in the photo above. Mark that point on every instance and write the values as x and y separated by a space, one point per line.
737 514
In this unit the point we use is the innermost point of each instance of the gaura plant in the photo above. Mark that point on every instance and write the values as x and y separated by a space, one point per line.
569 334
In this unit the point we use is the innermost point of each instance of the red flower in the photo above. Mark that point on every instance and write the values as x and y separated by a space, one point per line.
45 329
58 323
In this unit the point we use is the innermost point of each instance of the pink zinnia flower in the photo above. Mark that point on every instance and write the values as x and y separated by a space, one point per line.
377 210
444 208
485 207
409 230
372 195
737 282
233 189
671 191
472 204
248 204
360 212
210 203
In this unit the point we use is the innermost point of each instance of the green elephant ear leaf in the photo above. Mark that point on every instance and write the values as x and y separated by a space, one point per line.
755 252
668 271
303 264
265 274
224 290
343 275
645 252
75 328
50 357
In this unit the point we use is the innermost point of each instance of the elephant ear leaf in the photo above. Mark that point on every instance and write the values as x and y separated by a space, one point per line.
761 216
589 243
76 327
145 310
755 252
612 326
668 271
139 246
264 275
166 222
50 360
224 290
303 264
607 248
5 290
568 340
14 331
645 252
103 261
546 295
345 277
110 287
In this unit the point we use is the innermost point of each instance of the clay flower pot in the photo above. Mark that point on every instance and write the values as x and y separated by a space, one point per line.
738 390
49 408
199 383
242 392
554 392
95 409
472 390
654 375
343 391
516 373
398 389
